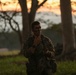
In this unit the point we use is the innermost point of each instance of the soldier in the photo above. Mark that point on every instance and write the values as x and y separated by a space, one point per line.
40 53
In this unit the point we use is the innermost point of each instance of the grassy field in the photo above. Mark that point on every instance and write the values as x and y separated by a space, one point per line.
15 65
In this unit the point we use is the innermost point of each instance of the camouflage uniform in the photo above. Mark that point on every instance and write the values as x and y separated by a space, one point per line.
39 61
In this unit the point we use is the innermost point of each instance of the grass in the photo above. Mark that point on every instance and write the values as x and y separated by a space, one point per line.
13 65
66 68
16 66
10 53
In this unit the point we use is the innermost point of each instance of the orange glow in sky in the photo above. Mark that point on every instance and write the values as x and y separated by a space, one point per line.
50 5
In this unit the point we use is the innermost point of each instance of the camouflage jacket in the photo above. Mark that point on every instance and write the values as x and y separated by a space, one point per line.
41 50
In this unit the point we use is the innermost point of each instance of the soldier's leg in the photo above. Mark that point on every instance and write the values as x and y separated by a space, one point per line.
47 72
31 69
31 72
28 69
44 73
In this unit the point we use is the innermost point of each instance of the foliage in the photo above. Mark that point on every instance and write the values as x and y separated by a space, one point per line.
13 66
54 33
9 40
66 68
16 66
57 27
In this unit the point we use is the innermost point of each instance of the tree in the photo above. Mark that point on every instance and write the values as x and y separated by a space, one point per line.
9 19
28 17
67 27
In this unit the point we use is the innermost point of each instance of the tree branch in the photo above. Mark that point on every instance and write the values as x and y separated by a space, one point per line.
11 18
41 4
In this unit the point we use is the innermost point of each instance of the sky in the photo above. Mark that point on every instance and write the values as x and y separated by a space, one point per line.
50 5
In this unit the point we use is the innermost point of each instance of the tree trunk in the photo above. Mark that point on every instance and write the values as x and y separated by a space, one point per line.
67 26
32 12
25 19
28 18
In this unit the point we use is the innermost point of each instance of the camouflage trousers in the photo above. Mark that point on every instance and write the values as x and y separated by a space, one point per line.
39 68
35 71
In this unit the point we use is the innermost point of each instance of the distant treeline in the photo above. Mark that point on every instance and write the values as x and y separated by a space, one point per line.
10 40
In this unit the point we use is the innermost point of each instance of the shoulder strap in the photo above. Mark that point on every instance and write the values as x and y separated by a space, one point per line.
43 42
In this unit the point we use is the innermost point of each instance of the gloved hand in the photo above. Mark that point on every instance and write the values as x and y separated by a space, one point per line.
49 54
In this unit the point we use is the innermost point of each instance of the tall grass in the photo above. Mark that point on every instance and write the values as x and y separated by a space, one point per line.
66 68
13 66
16 66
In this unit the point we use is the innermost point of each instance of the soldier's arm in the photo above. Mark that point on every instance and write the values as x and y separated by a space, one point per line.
50 44
35 43
27 49
51 47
